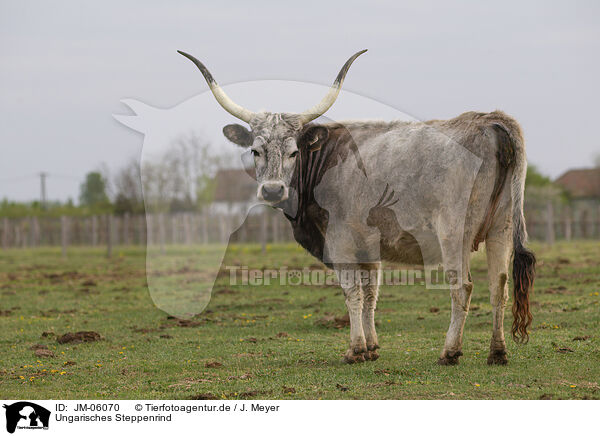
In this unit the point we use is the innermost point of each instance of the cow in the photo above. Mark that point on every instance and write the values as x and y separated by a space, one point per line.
360 192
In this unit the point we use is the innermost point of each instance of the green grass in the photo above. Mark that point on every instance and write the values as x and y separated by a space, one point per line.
145 355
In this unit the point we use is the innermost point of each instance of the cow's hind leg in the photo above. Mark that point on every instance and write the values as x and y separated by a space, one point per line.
498 246
370 279
354 303
456 266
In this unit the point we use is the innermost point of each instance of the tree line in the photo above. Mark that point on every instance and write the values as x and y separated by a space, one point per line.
180 179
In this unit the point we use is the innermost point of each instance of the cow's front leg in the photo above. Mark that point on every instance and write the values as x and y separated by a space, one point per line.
354 303
370 279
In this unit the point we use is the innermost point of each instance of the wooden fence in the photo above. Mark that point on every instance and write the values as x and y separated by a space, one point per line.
547 223
155 229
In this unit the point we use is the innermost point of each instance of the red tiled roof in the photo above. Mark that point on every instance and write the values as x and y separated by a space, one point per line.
581 182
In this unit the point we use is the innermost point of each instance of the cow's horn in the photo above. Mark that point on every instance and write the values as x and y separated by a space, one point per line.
228 104
322 107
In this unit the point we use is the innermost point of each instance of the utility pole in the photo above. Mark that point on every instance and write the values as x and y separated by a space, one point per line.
43 176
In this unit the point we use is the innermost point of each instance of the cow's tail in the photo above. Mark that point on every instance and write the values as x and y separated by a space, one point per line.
523 259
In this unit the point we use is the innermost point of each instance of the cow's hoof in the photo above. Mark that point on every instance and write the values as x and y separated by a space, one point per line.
355 355
371 355
497 357
450 358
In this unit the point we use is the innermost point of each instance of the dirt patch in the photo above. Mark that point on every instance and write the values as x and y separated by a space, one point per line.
179 322
565 350
69 338
332 321
581 338
53 312
44 353
136 329
225 291
205 396
288 390
48 334
342 388
89 283
247 394
5 313
434 309
60 277
246 376
272 300
213 364
188 382
41 350
248 355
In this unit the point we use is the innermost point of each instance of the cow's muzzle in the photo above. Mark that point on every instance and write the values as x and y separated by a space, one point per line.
272 192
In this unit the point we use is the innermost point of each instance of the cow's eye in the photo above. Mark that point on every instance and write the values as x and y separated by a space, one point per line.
294 153
255 153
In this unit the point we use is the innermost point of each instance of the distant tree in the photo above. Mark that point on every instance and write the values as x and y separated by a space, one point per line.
535 178
182 177
93 192
597 160
128 188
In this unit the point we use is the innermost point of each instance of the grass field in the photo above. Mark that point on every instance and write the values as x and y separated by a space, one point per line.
273 342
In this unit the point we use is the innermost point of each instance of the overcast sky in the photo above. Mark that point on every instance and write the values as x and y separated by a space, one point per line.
65 65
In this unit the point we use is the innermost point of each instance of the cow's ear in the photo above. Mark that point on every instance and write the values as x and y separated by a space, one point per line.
313 137
238 135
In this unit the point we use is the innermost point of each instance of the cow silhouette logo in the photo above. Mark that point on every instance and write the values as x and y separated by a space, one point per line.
26 415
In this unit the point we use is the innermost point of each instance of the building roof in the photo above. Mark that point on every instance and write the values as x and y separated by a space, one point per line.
580 183
235 185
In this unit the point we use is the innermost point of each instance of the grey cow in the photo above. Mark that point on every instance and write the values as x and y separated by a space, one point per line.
357 193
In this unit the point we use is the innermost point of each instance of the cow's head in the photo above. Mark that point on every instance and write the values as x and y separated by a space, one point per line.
275 138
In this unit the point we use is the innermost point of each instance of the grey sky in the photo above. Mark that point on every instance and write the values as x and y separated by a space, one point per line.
64 66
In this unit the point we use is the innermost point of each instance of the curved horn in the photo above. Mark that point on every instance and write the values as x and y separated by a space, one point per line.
322 107
228 104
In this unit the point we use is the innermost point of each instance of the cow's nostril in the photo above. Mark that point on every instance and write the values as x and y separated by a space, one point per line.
272 191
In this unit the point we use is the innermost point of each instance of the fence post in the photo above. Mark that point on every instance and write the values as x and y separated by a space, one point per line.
263 230
205 226
149 229
187 227
94 231
550 223
25 234
5 230
222 229
126 229
37 233
161 232
173 223
109 241
64 234
598 221
568 224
